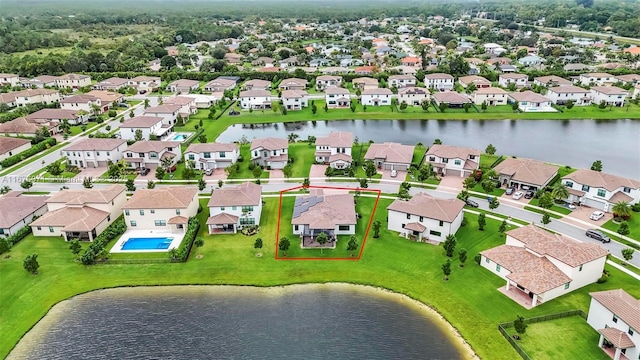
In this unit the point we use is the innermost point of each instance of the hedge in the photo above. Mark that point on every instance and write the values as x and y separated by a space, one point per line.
19 235
41 146
182 253
114 230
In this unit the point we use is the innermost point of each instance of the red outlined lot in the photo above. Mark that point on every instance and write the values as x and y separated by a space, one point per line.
366 234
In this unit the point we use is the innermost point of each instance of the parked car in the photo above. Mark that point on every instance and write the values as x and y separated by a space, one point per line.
233 112
208 171
517 195
510 190
597 235
472 203
596 215
529 194
143 92
143 171
394 173
123 105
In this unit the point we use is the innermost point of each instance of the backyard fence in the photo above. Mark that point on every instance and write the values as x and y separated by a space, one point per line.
502 327
134 261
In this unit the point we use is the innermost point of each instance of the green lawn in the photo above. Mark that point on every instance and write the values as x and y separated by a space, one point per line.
556 208
469 300
487 160
535 210
244 172
418 155
304 157
77 129
495 192
634 226
566 338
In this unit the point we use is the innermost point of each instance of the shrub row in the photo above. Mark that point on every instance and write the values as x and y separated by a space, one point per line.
41 146
98 245
15 238
182 253
194 137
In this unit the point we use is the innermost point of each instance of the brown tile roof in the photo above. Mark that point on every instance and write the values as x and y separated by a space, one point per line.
473 79
365 81
610 90
81 98
528 96
247 194
553 79
560 247
53 114
450 97
415 226
179 100
116 81
184 83
338 157
599 179
324 211
402 77
514 76
438 76
95 144
211 147
222 219
107 97
620 196
255 93
270 143
411 90
175 197
162 109
85 196
336 91
336 139
293 81
567 89
156 146
23 126
178 220
618 338
258 83
430 207
377 91
146 78
79 219
597 75
390 152
219 83
328 78
452 152
15 207
293 94
72 77
534 273
527 170
491 90
33 92
141 122
622 304
9 143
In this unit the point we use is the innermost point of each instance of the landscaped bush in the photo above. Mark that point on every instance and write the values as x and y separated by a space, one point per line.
250 230
98 245
182 253
635 207
41 146
19 235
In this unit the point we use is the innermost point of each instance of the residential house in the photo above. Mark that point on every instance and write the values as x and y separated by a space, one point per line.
439 81
539 266
425 218
525 174
596 79
293 84
232 208
149 126
363 70
405 70
561 95
183 86
528 101
575 67
162 209
145 83
453 160
333 70
328 81
318 213
257 84
149 154
295 99
531 60
337 97
234 59
8 99
57 115
629 79
636 92
36 96
255 99
82 102
376 97
615 315
411 61
219 85
9 79
270 152
335 149
212 155
28 127
112 83
611 95
39 82
451 98
10 146
187 104
491 96
365 83
107 98
74 81
94 152
478 81
18 210
600 190
168 112
264 61
390 156
551 81
520 80
413 95
81 213
402 81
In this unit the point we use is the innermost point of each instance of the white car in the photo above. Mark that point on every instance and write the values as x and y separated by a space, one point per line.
517 195
597 215
394 173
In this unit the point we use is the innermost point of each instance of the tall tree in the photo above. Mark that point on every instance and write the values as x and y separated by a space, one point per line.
482 221
450 245
31 264
462 256
559 191
446 269
597 165
376 228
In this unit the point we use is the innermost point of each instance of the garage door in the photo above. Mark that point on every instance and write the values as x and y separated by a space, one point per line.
399 167
594 204
387 166
453 172
102 164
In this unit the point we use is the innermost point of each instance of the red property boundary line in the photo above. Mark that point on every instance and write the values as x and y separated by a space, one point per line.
366 234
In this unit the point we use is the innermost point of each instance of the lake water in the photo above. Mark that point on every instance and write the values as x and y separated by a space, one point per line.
570 142
335 321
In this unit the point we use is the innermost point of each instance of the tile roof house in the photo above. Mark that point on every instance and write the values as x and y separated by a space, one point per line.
80 214
183 86
9 79
615 314
596 79
335 149
17 211
611 95
219 85
168 112
376 97
328 81
149 154
528 101
439 81
479 81
35 96
293 84
318 213
390 156
112 83
148 125
257 84
81 102
295 99
232 208
57 115
28 127
402 81
145 83
551 81
453 160
451 98
40 81
492 96
425 218
560 95
73 81
336 97
525 174
255 99
600 190
543 265
188 105
94 152
270 152
364 83
10 146
212 155
520 80
162 209
413 95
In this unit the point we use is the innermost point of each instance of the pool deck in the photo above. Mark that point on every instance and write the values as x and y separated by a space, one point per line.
177 239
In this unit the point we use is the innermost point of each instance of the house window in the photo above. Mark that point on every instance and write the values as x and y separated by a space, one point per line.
409 216
630 332
142 212
472 157
569 184
498 267
615 319
177 211
343 227
247 208
97 153
192 157
441 223
580 269
487 260
153 211
50 229
207 155
153 155
247 221
129 155
445 160
222 154
68 154
108 153
295 227
222 208
566 286
602 192
133 223
626 189
585 188
160 223
421 218
126 212
435 233
457 162
432 158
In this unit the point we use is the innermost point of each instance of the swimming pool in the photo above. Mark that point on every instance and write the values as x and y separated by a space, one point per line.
179 136
152 243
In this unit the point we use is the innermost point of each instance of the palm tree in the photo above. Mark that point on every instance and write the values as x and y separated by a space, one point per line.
292 137
65 126
560 191
621 209
166 163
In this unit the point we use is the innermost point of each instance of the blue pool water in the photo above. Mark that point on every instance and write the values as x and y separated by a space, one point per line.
179 137
147 243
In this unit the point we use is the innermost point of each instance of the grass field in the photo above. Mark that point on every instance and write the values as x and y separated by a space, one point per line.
469 300
634 226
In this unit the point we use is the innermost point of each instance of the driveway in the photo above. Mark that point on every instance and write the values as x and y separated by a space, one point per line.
276 177
91 172
217 174
400 176
583 212
317 171
451 183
